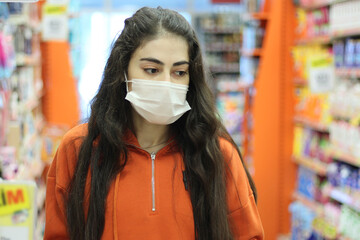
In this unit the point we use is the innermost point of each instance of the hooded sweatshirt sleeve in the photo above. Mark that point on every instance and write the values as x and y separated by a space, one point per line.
242 211
58 179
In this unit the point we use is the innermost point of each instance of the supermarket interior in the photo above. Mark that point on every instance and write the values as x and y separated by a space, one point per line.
286 79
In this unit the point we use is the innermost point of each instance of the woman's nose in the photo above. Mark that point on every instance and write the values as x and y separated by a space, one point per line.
167 77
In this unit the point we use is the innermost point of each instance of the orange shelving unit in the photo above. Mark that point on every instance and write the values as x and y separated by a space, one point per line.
60 96
273 120
60 101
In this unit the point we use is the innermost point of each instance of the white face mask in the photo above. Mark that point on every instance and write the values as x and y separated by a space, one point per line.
158 102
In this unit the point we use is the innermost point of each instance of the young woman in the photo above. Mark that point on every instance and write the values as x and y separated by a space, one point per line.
153 161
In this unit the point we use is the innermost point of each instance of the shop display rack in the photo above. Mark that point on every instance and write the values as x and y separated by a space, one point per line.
340 29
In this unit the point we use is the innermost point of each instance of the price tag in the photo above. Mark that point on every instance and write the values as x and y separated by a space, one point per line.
55 22
321 79
55 28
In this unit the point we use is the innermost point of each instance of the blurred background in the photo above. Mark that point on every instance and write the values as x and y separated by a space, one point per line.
286 79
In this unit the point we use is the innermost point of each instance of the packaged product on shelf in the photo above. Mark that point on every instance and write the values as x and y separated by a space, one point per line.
344 177
51 140
357 53
306 183
339 52
248 69
231 110
332 213
254 5
346 138
344 17
350 53
311 144
9 166
301 221
18 210
349 223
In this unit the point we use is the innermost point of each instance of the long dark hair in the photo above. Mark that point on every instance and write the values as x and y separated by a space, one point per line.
197 133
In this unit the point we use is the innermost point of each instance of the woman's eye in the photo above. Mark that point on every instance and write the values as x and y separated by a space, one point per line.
151 70
180 73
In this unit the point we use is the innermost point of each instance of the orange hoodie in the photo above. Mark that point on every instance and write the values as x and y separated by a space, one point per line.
148 199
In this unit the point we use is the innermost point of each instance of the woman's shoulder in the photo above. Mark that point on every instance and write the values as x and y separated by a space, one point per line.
226 147
76 133
64 162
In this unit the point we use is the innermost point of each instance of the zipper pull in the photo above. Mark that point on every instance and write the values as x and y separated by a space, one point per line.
185 181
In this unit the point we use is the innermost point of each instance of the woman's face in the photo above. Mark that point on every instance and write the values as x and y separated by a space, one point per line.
164 58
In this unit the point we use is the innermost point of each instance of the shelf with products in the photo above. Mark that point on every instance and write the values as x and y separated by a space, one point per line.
343 156
315 165
221 36
345 33
313 26
28 60
221 30
313 205
325 39
325 35
351 199
222 47
311 124
225 68
22 120
348 72
314 4
255 22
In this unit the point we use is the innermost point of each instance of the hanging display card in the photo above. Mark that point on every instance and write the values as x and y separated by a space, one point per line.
17 210
321 75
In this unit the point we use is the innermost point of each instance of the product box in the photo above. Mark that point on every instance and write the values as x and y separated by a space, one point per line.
18 210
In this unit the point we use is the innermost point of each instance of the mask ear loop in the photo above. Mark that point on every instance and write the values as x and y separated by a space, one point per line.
126 82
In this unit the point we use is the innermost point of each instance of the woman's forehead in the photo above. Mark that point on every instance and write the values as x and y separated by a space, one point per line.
168 47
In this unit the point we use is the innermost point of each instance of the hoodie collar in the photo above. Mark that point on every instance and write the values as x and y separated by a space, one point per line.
131 140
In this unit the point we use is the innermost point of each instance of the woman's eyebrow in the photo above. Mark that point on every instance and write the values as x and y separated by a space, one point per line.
181 63
154 60
157 61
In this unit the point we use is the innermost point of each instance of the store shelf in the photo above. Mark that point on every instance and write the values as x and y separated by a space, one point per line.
348 72
345 33
28 60
251 52
326 39
225 68
236 86
320 3
311 124
222 47
313 205
344 157
217 30
15 19
350 199
314 165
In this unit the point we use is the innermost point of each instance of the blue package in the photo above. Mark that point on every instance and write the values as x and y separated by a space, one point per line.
338 49
350 53
357 53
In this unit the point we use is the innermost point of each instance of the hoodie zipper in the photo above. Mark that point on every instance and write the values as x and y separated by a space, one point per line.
152 156
153 180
